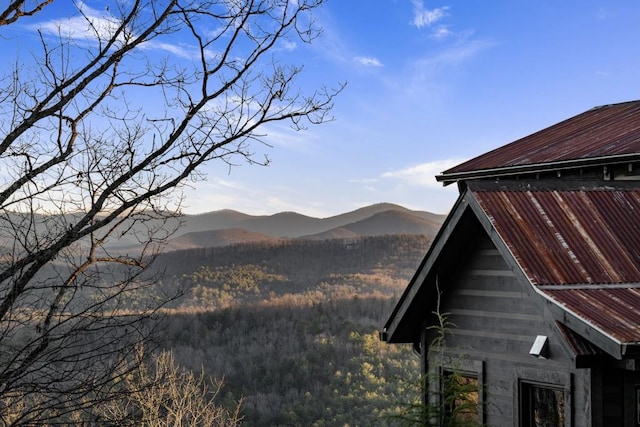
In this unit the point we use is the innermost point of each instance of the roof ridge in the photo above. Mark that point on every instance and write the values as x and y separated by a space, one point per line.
615 104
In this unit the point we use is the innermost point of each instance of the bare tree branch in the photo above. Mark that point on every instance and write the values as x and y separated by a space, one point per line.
99 131
19 8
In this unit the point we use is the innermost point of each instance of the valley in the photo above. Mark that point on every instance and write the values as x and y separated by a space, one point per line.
291 324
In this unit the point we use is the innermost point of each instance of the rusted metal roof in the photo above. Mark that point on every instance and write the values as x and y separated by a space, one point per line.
578 244
602 133
613 310
586 235
579 346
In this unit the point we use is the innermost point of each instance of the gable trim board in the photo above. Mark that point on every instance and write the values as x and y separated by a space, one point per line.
576 245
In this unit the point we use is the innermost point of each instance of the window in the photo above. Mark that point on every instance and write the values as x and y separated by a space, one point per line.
455 394
461 399
541 405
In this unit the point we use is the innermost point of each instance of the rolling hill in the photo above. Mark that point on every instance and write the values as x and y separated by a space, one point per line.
386 222
226 227
290 224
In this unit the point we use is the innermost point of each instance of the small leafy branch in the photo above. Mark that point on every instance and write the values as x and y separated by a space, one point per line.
450 397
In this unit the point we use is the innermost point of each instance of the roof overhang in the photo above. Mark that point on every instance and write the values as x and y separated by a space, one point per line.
451 177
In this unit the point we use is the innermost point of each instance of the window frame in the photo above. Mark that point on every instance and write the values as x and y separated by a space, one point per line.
554 380
471 376
526 389
463 367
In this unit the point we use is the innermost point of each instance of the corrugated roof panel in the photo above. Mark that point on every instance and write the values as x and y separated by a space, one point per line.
611 130
580 245
614 310
578 345
581 236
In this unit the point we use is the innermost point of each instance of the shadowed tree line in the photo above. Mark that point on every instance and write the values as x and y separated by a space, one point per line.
308 359
292 327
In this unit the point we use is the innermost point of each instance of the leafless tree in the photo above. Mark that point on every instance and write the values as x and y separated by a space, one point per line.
101 126
170 396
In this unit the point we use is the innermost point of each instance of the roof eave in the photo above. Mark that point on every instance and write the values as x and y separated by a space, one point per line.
450 178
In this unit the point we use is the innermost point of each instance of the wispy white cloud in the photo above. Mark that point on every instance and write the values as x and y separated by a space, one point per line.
225 183
424 174
368 61
93 24
364 180
285 136
174 49
426 17
288 45
442 33
458 53
90 25
427 74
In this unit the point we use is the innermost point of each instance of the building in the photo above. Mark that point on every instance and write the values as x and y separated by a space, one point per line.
537 267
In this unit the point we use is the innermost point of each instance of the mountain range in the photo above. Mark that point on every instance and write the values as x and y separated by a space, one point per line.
225 227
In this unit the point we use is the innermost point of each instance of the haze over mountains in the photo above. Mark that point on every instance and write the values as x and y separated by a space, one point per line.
226 227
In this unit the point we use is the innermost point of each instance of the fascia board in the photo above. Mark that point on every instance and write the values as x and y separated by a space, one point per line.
449 178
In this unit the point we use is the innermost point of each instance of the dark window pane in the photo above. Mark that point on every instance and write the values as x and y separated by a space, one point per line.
542 406
461 400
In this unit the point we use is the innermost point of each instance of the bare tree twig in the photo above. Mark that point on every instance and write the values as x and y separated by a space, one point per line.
99 131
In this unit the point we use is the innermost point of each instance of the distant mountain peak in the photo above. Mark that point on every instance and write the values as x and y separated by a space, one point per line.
228 226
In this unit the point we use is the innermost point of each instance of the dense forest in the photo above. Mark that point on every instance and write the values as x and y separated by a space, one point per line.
291 327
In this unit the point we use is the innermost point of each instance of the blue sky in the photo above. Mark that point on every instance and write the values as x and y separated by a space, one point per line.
429 85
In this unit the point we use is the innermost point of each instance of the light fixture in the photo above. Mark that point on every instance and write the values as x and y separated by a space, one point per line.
540 347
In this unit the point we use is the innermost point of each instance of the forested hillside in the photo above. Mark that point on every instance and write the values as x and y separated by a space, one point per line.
292 326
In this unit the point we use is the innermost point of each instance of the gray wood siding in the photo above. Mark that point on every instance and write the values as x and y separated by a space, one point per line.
496 321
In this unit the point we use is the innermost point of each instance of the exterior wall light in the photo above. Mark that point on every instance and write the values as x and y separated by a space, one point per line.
540 347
